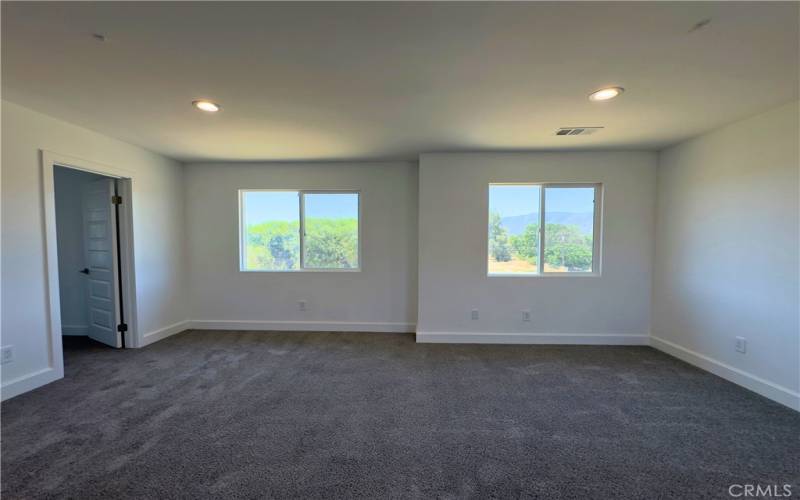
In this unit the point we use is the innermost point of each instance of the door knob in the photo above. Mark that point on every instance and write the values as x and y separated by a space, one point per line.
85 270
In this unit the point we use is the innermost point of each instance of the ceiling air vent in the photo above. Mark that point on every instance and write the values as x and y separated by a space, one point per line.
577 130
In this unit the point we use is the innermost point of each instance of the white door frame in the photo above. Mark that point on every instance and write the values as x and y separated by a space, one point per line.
50 160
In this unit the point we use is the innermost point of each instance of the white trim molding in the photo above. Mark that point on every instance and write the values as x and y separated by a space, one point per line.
531 338
29 382
308 326
167 331
771 390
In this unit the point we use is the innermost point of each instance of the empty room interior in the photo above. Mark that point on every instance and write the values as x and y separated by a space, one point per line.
400 250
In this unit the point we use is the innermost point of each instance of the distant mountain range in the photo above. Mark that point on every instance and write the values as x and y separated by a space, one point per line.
516 224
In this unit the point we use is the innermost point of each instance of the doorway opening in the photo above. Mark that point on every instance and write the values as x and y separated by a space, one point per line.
91 297
105 231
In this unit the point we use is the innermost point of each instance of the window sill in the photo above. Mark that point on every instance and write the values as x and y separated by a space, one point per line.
544 275
294 271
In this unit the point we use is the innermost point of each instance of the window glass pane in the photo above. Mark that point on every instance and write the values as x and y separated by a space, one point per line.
568 229
271 230
513 229
331 226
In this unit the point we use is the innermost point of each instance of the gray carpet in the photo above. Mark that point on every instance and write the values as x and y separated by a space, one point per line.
313 415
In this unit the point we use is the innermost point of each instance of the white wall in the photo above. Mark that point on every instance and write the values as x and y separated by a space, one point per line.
158 234
452 269
727 252
380 297
69 235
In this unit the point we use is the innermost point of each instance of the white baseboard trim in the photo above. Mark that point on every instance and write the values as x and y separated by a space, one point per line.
531 338
771 390
308 326
75 330
165 332
29 382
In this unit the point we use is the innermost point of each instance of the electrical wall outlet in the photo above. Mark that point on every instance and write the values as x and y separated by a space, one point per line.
301 305
6 354
474 314
526 315
741 345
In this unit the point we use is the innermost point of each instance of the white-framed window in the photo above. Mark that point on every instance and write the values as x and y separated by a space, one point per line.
543 229
299 230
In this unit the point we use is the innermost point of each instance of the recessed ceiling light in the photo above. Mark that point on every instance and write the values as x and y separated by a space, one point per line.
204 105
606 93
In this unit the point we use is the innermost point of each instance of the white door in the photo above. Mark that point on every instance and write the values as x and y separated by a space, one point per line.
100 254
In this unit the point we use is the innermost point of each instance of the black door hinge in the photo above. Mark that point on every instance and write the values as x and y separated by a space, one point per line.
122 327
116 200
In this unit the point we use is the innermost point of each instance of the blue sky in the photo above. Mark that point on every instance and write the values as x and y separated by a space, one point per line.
521 200
262 206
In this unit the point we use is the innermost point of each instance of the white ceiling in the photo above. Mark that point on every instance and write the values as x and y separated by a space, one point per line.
391 80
